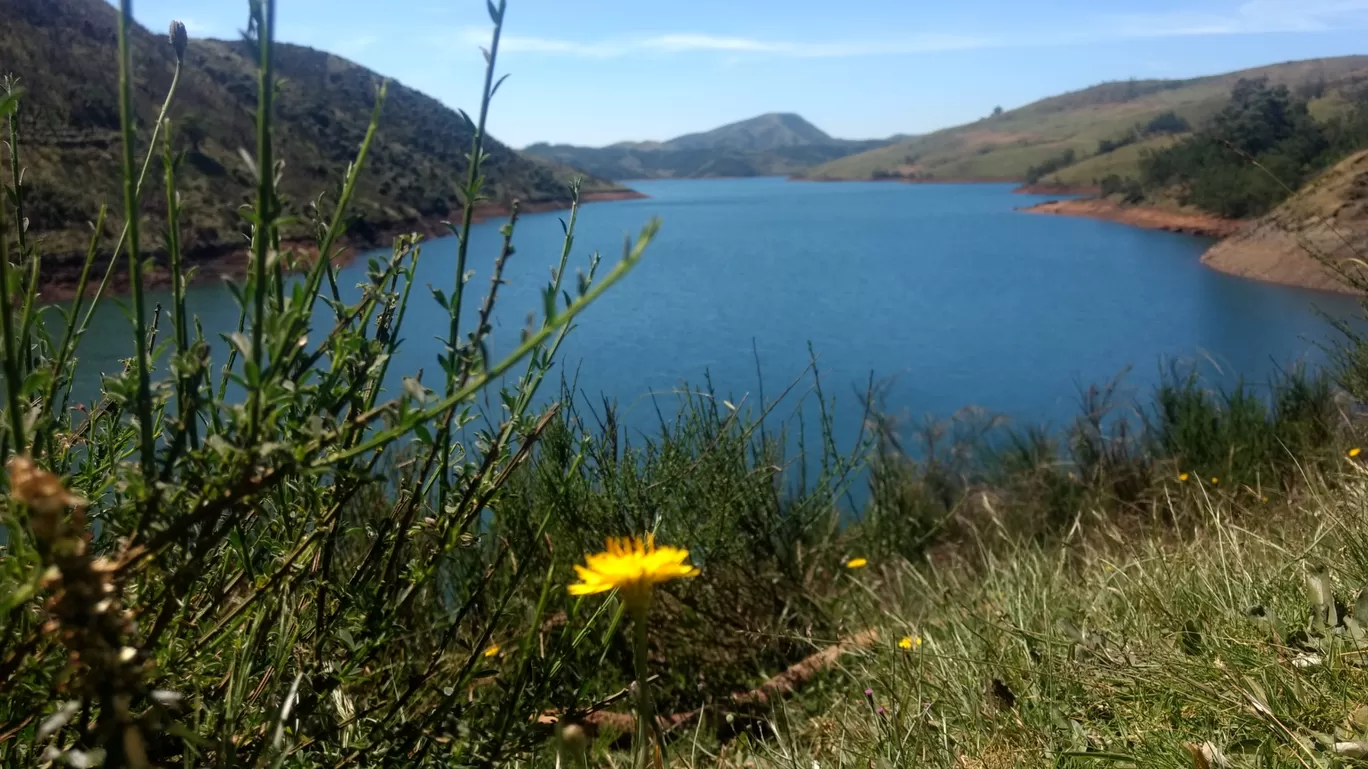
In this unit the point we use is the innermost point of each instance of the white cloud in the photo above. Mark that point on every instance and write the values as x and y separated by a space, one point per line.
1246 18
1249 18
681 42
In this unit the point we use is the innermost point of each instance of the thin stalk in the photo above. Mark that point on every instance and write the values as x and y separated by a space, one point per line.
135 276
185 397
286 351
266 202
142 176
25 254
533 342
16 178
472 189
26 315
645 711
68 346
12 380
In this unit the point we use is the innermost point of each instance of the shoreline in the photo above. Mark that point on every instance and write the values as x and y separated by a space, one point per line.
1204 225
906 180
1058 189
222 262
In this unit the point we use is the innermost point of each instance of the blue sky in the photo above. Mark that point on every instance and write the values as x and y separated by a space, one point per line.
600 71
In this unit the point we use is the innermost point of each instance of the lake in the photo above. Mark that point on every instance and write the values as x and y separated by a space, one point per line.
946 291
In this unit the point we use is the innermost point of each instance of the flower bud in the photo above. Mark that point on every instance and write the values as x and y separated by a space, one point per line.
574 742
179 39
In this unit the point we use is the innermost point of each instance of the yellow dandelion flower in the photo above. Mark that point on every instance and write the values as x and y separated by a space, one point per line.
1354 452
1215 480
492 650
1183 477
857 563
633 566
910 642
38 488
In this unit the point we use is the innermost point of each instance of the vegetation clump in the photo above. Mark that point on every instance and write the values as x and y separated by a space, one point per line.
349 566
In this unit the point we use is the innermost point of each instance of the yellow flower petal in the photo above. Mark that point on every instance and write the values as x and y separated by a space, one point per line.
631 564
1215 480
492 650
1354 452
1183 476
905 643
857 563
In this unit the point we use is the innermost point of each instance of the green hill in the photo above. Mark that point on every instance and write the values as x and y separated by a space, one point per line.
64 53
758 134
775 144
1006 146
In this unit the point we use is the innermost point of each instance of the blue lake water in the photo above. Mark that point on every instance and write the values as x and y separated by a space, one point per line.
946 291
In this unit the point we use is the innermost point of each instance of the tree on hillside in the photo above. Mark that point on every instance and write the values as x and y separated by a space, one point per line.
1262 142
997 111
1166 123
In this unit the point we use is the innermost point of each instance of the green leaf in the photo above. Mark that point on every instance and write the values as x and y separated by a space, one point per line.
495 89
10 101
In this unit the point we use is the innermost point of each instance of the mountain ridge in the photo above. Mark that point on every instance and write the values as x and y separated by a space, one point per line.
772 144
1010 144
64 52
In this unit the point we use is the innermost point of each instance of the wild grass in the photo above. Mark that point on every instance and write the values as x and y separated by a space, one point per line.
324 572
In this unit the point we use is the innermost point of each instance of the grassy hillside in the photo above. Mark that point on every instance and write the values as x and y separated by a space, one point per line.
1007 145
64 52
775 144
758 134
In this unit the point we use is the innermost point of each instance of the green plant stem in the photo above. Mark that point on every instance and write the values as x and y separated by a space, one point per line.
67 346
472 196
265 207
645 712
629 260
185 396
25 253
123 234
135 277
13 382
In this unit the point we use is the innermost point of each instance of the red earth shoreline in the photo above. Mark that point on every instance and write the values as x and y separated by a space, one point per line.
217 263
1138 216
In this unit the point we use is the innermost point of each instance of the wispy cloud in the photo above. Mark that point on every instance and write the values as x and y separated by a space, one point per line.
680 43
1246 18
1250 18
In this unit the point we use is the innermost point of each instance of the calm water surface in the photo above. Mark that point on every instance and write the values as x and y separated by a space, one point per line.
945 289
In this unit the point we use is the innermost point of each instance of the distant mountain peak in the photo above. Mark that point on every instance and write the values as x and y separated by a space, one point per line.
772 130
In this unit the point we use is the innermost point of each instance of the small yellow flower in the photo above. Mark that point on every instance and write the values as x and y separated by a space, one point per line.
491 651
1263 499
910 642
1354 452
857 563
1183 477
1215 480
633 566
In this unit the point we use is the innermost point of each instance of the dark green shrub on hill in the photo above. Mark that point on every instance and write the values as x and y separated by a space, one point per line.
1258 148
1050 165
1166 123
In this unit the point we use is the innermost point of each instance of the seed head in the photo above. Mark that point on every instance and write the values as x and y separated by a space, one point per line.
179 39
